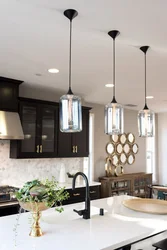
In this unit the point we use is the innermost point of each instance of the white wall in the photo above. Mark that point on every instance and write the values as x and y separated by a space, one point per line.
162 148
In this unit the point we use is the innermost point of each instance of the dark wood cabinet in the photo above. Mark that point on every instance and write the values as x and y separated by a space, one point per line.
135 184
43 139
9 210
81 140
40 124
75 144
9 89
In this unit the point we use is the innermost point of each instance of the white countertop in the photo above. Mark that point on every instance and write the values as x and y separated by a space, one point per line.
67 231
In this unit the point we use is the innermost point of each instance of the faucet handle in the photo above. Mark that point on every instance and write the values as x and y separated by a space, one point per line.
80 212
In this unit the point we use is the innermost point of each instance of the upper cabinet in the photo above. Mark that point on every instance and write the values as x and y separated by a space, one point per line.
75 144
39 121
43 139
9 91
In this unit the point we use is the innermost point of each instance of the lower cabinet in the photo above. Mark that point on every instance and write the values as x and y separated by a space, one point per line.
77 195
9 210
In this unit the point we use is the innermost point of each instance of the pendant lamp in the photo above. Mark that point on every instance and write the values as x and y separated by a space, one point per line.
114 113
146 117
70 105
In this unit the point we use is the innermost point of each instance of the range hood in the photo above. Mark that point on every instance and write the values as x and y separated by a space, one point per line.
10 124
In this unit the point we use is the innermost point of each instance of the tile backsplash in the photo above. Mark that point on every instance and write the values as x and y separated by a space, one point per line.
17 171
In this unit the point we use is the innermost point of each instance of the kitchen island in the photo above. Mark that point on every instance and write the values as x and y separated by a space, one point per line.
118 227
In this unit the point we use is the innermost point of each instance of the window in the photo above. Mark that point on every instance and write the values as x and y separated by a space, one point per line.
88 163
150 157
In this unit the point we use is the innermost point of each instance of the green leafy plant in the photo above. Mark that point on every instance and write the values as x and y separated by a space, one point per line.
46 191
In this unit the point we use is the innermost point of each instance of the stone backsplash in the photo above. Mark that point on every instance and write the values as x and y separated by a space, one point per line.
17 171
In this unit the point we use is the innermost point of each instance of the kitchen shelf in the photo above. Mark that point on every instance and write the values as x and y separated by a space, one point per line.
119 189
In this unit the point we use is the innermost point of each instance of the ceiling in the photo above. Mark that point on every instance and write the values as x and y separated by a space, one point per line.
35 37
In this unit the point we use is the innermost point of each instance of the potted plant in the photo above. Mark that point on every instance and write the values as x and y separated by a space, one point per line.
36 196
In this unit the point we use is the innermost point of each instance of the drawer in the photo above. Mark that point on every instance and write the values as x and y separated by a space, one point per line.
4 211
78 195
94 192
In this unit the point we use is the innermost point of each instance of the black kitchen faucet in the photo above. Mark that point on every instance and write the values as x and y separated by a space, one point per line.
85 212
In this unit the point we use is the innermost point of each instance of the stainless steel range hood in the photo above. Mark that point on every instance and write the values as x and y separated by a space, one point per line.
10 126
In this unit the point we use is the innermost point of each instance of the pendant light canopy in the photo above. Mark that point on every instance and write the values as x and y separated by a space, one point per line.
146 117
70 105
114 113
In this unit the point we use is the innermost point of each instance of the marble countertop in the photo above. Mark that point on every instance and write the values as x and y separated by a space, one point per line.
68 231
68 185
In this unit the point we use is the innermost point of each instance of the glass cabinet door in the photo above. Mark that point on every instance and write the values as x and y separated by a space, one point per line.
29 124
48 130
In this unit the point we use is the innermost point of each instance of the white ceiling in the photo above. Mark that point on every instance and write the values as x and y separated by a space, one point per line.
35 37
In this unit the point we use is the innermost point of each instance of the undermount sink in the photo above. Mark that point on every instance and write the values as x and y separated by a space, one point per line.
53 217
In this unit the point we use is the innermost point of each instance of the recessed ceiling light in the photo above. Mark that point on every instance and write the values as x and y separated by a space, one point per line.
131 105
150 97
109 85
53 71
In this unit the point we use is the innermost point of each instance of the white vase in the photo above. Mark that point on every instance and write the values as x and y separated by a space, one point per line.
62 174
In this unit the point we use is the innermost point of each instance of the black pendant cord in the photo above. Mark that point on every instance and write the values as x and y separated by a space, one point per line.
70 14
114 34
145 76
144 49
70 58
114 87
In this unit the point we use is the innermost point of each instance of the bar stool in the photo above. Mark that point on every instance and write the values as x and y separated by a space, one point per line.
161 245
162 194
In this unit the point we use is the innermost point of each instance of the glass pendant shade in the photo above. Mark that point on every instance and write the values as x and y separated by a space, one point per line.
146 123
70 114
114 119
146 117
114 112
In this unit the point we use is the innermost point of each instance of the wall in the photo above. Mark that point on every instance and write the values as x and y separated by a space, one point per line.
101 139
162 148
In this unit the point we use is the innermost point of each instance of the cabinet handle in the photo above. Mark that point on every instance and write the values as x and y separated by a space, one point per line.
40 148
76 149
92 192
37 149
73 149
77 194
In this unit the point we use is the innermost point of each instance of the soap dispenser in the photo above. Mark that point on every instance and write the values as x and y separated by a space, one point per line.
62 174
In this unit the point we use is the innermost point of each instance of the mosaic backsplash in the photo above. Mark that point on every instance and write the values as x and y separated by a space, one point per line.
17 171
